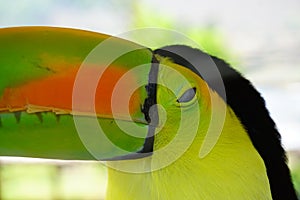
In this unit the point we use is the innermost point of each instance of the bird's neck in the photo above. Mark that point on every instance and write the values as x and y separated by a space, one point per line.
232 170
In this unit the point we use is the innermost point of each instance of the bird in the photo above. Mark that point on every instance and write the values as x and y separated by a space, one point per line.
195 127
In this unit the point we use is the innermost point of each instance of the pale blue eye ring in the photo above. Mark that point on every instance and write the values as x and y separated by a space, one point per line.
187 96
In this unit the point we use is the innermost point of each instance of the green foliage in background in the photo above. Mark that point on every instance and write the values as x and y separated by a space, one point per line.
209 37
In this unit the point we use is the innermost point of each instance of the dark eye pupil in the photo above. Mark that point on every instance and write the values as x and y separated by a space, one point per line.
187 96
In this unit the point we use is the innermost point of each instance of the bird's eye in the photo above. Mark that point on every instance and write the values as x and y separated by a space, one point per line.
187 96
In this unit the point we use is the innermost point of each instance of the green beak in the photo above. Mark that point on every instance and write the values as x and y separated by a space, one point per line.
72 94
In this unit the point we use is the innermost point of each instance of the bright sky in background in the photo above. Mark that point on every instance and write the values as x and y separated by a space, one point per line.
265 35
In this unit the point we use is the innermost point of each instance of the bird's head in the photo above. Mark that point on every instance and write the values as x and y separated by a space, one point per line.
183 107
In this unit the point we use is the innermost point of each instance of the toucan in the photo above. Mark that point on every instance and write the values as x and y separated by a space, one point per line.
171 123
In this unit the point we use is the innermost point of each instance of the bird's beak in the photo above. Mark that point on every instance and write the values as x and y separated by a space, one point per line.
98 116
97 110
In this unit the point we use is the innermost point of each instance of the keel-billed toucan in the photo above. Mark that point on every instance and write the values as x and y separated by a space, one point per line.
171 123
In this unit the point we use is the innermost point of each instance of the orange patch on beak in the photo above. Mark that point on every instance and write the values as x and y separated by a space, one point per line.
55 93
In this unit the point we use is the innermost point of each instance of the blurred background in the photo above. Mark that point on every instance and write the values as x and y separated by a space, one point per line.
261 39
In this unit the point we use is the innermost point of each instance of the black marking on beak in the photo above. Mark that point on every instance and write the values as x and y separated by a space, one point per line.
150 108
